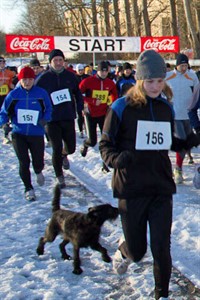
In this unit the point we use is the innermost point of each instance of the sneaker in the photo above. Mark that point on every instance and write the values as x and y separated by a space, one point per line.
65 162
48 144
30 195
196 179
83 151
190 160
81 135
120 264
104 168
40 179
6 140
61 181
178 177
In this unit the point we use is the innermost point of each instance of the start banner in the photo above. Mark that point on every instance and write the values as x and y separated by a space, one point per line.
32 43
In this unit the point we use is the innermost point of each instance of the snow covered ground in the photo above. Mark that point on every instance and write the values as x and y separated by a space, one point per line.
24 275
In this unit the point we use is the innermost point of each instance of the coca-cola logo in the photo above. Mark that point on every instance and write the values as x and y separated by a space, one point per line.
163 45
30 45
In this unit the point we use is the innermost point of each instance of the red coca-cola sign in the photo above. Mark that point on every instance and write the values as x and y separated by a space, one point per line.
160 44
29 43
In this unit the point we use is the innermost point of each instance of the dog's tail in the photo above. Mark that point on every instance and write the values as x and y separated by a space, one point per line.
56 198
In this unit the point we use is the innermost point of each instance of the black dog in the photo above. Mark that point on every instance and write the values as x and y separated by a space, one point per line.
82 230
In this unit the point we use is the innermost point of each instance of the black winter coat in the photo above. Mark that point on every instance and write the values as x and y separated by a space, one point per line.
148 172
51 82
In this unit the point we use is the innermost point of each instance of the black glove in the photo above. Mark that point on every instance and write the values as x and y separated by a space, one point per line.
193 140
123 159
42 122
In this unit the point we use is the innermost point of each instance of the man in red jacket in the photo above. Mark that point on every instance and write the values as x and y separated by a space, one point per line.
99 92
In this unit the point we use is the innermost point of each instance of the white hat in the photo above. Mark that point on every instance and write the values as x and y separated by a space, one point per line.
79 67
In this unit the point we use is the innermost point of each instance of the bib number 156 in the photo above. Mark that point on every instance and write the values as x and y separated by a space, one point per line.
153 135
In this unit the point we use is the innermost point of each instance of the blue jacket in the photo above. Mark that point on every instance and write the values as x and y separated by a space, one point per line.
28 110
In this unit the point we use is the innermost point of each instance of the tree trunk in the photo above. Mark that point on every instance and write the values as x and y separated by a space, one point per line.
128 17
117 31
136 18
195 41
147 26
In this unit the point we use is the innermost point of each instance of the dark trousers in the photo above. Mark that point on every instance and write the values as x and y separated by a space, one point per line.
80 121
157 212
59 132
22 144
91 129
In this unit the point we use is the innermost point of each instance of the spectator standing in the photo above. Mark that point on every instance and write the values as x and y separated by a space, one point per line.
6 84
182 83
99 92
125 80
62 87
80 74
29 108
137 134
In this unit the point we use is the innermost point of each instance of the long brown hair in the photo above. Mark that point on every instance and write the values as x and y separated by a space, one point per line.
136 95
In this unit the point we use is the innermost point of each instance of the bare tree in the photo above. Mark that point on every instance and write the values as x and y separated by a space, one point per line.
194 38
174 25
147 27
136 18
128 17
117 31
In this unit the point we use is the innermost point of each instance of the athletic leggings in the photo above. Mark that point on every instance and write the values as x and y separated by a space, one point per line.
156 211
91 129
22 144
59 132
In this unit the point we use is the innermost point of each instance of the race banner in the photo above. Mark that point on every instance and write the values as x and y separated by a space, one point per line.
160 44
75 44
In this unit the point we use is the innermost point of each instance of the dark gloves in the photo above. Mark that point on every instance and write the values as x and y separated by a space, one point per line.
193 140
42 122
123 159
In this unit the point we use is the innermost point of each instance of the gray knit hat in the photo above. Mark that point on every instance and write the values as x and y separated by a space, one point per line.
150 64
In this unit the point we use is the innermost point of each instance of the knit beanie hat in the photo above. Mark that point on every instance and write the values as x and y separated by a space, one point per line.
34 62
126 66
79 67
55 52
2 58
102 66
181 59
150 64
26 72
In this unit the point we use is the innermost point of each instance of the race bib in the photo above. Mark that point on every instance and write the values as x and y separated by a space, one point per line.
4 90
27 116
101 95
60 96
153 135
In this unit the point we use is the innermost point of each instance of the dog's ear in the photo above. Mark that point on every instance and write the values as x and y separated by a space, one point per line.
92 212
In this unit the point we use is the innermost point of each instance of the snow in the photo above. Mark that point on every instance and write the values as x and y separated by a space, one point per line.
25 275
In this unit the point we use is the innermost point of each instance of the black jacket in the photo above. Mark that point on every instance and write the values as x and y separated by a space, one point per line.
147 172
51 82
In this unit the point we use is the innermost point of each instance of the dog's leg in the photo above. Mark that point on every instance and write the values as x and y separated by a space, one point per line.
77 269
63 250
50 235
40 248
103 251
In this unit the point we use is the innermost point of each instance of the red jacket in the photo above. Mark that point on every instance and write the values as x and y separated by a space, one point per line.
95 88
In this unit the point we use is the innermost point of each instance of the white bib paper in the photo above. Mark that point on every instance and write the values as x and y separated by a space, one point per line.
60 96
152 135
27 116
